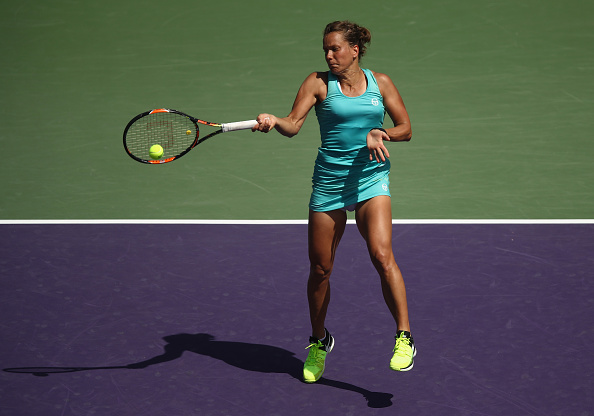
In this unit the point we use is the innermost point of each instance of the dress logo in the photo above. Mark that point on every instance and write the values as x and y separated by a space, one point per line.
375 101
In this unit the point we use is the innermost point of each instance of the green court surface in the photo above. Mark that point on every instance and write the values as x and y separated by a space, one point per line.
500 95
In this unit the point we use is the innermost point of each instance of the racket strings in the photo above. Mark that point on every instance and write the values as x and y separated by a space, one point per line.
175 133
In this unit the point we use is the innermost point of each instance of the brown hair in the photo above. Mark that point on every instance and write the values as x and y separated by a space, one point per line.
352 33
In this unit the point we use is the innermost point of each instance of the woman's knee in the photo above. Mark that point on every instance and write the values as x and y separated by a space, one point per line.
383 259
321 271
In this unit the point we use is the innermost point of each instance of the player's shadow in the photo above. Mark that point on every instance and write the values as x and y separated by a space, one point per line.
252 357
246 356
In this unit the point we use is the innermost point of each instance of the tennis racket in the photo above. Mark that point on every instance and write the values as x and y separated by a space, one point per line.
177 133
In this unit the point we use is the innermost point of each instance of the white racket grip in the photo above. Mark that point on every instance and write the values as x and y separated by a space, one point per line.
238 125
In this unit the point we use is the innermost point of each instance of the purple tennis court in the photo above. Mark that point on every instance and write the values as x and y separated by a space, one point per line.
211 319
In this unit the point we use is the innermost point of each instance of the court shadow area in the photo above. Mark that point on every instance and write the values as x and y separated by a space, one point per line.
246 356
252 357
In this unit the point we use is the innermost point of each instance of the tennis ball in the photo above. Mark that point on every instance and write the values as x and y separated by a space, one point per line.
156 151
189 132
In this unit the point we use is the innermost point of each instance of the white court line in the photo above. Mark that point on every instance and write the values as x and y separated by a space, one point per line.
290 222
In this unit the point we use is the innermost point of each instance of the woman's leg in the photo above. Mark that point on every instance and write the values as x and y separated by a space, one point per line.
374 220
325 229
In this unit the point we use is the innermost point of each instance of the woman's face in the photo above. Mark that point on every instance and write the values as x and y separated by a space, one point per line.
340 56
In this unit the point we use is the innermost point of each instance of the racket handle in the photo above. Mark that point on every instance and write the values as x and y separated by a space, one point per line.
238 125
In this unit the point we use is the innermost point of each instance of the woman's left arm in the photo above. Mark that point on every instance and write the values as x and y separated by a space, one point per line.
401 132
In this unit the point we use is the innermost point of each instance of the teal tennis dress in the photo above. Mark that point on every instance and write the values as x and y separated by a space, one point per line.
343 174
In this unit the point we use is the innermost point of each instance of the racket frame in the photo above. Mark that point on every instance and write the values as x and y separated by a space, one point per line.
197 140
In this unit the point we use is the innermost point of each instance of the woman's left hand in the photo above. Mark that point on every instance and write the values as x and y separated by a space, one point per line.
375 144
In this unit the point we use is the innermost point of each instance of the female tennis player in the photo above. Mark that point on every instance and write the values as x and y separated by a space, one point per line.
351 173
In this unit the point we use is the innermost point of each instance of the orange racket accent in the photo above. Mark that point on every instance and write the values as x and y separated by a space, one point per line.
156 162
160 110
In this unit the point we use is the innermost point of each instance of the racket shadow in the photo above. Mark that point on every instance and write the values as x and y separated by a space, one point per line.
246 356
46 371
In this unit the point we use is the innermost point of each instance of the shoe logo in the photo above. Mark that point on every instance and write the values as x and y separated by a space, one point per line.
375 101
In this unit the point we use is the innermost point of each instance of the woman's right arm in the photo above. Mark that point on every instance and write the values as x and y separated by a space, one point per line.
309 93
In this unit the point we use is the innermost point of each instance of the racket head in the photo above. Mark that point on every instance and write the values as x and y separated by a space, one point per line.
176 132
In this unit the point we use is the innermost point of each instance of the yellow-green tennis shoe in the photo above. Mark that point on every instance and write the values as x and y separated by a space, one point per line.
316 358
404 352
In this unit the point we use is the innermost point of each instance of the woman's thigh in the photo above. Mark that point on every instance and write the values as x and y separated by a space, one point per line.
325 229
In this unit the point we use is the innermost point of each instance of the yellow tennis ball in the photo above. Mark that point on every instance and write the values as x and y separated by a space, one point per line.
189 132
156 151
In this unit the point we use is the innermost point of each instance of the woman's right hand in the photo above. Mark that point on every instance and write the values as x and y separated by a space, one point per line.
266 122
